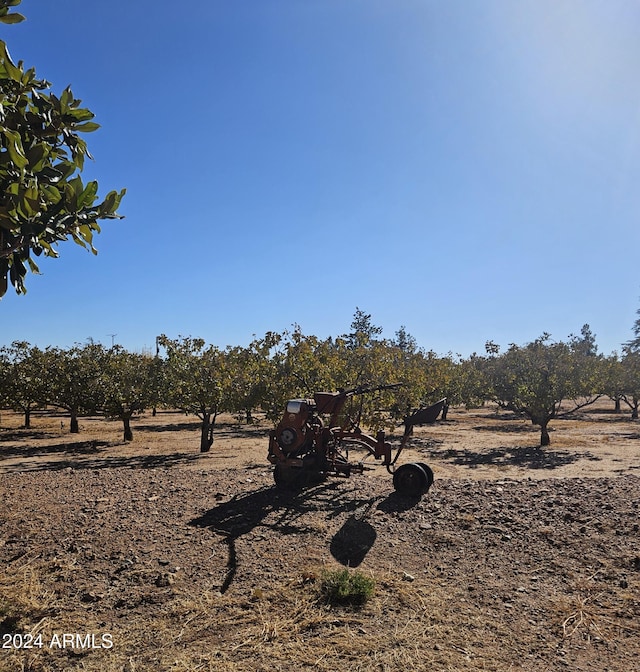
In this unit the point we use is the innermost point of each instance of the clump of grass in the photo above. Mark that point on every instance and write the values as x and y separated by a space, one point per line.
346 588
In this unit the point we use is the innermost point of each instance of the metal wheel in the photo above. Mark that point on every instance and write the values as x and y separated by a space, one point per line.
410 480
429 472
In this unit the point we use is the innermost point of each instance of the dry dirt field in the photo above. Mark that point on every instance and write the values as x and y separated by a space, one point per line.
150 556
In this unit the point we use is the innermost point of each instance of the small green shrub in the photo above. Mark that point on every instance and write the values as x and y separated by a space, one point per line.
343 587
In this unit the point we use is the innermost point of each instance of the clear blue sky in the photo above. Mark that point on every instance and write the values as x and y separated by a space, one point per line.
468 169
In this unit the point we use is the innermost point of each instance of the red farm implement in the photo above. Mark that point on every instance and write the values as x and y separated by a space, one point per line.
313 438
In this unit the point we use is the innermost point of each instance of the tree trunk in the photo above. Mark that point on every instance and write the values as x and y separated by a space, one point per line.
445 410
617 408
634 412
74 428
128 434
248 416
206 434
27 418
545 440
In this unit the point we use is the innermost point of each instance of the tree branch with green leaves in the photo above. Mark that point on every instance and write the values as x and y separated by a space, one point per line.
43 200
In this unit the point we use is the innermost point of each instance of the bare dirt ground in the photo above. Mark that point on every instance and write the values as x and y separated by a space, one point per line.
152 556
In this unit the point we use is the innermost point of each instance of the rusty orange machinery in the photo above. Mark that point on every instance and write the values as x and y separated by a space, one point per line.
301 434
303 444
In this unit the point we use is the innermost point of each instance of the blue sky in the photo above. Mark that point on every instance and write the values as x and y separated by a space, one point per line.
467 169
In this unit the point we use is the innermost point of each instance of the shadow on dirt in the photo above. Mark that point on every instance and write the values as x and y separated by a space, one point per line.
233 430
114 462
525 456
522 428
395 503
185 426
243 513
22 434
605 419
221 429
282 512
352 542
75 448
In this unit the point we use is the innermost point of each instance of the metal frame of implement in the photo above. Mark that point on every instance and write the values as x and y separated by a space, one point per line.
304 448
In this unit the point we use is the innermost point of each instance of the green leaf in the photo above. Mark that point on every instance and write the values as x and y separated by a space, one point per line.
66 169
4 269
15 148
87 127
7 67
109 204
12 18
81 114
88 196
66 99
72 191
36 156
33 267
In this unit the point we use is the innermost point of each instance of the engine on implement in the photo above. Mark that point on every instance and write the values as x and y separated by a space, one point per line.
313 437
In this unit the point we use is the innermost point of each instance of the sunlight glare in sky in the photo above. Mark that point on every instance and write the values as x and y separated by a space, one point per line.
468 170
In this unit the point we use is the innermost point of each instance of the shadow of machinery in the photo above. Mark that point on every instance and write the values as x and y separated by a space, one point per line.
282 512
242 513
351 543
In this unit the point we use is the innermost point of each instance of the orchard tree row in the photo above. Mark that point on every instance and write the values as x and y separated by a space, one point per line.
541 380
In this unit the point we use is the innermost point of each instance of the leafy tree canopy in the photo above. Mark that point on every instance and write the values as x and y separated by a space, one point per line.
537 378
633 346
43 200
24 378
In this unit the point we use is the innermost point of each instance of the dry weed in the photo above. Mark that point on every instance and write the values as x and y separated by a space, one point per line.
591 612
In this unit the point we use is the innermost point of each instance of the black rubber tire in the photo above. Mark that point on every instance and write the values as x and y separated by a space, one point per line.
429 472
410 480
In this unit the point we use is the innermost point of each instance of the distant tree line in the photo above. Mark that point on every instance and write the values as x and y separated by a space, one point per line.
541 381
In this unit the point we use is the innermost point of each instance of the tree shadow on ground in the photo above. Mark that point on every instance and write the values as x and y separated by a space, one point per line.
599 417
22 434
424 443
237 430
112 462
75 448
186 426
604 411
520 428
220 430
531 457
